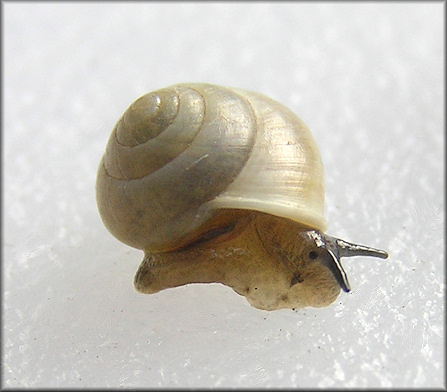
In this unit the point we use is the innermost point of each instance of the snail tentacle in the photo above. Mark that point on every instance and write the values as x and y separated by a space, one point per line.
338 248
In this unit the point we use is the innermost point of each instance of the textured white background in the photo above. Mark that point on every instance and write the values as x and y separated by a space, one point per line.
367 79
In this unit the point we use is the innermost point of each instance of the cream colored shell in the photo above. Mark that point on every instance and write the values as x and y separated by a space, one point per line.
181 153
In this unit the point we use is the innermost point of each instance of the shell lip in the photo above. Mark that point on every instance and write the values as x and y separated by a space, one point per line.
304 216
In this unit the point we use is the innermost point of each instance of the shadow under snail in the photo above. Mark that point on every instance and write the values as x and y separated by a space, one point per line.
223 185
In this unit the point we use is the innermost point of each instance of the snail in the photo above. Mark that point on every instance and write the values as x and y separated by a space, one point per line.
222 185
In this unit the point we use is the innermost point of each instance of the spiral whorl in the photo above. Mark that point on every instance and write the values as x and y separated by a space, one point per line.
161 159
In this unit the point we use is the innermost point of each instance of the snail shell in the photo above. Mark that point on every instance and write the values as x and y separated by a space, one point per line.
219 184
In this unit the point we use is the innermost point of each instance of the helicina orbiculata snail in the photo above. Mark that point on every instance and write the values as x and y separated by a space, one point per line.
223 185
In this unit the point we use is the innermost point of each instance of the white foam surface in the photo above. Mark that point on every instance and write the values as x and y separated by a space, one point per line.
367 79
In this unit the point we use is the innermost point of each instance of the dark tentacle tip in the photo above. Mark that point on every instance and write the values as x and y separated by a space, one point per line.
336 249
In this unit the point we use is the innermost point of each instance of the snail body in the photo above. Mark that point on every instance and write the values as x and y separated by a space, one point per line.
222 185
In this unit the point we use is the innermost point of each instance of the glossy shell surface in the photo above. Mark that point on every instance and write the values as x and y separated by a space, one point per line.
179 154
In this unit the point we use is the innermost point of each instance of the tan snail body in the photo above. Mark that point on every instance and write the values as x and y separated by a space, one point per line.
222 185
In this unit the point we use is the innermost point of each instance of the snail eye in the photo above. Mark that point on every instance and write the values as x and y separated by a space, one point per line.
313 255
